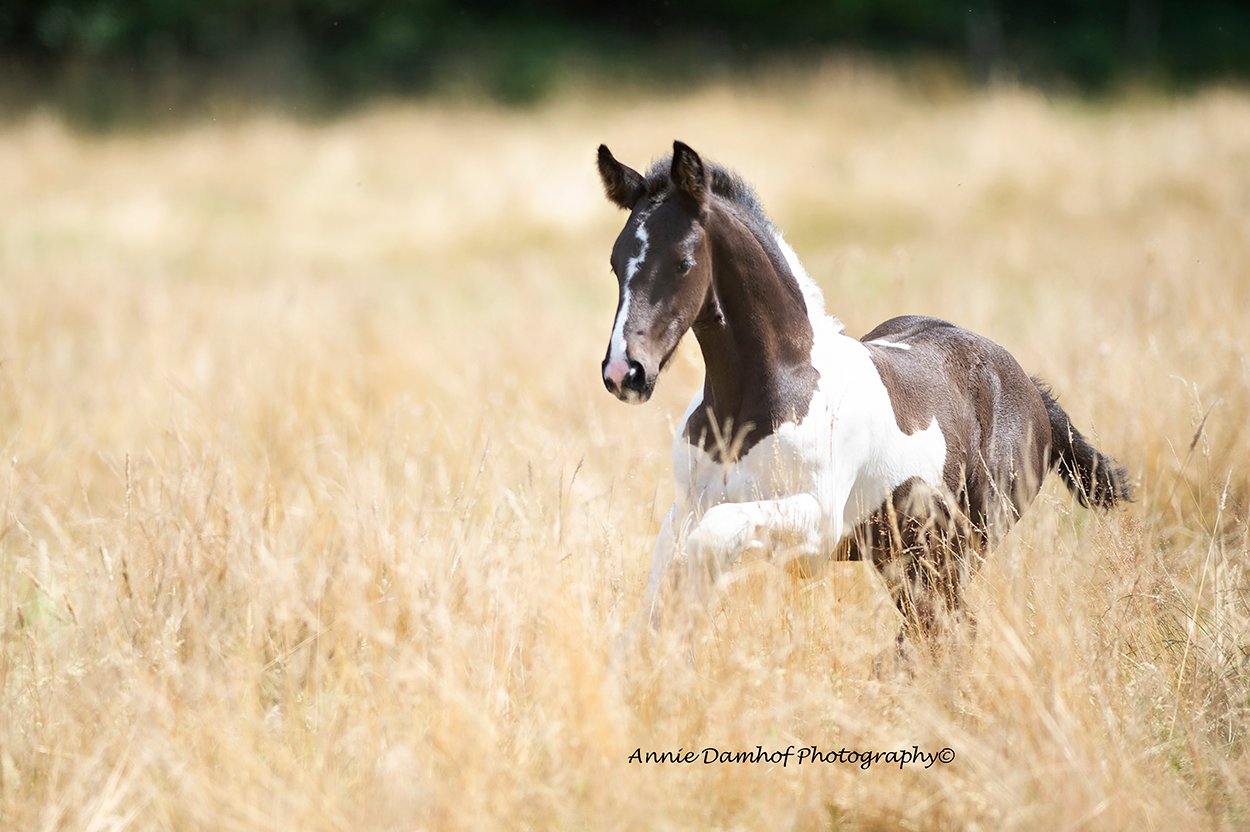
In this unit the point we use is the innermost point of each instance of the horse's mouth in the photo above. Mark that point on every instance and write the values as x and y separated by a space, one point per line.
631 395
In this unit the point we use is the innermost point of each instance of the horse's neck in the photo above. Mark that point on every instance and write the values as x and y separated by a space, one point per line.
762 341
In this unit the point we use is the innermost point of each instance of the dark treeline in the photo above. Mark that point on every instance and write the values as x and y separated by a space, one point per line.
516 50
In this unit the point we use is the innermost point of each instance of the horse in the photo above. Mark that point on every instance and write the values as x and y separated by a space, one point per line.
915 447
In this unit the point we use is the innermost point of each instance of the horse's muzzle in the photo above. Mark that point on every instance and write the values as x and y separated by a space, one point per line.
626 379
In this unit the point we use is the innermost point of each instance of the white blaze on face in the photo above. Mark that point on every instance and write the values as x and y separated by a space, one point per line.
618 362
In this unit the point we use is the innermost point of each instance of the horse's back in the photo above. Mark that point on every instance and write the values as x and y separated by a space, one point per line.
990 411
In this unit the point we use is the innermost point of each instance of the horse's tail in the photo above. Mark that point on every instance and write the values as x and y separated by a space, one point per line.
1095 478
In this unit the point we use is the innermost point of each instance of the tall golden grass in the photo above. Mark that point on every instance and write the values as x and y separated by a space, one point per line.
315 513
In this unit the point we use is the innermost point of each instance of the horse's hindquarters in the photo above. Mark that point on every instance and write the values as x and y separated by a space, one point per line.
991 414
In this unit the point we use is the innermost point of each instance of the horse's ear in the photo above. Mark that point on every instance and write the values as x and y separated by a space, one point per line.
623 185
689 174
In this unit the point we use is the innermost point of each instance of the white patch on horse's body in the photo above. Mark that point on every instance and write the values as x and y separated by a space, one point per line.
894 345
617 346
804 487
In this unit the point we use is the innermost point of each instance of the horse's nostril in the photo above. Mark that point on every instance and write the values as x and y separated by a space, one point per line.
635 377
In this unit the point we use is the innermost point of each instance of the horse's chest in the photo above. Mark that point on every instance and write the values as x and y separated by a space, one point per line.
709 482
778 465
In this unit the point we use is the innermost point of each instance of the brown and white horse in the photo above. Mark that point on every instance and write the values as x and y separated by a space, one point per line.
914 447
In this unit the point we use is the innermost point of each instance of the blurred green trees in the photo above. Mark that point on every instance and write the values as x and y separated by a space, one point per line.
514 50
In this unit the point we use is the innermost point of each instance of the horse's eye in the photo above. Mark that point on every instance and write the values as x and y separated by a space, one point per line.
685 265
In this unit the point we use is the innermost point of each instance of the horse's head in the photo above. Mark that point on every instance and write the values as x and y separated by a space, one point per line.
662 263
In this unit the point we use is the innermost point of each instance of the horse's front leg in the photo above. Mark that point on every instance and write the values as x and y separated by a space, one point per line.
661 563
783 530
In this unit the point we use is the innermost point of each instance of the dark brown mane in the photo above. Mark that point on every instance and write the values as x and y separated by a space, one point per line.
725 184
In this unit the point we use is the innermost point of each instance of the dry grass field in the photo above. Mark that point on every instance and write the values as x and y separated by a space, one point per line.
314 513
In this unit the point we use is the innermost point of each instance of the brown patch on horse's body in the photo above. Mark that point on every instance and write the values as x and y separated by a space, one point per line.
997 433
991 414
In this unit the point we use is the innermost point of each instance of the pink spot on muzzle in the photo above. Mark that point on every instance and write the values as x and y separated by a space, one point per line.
614 372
